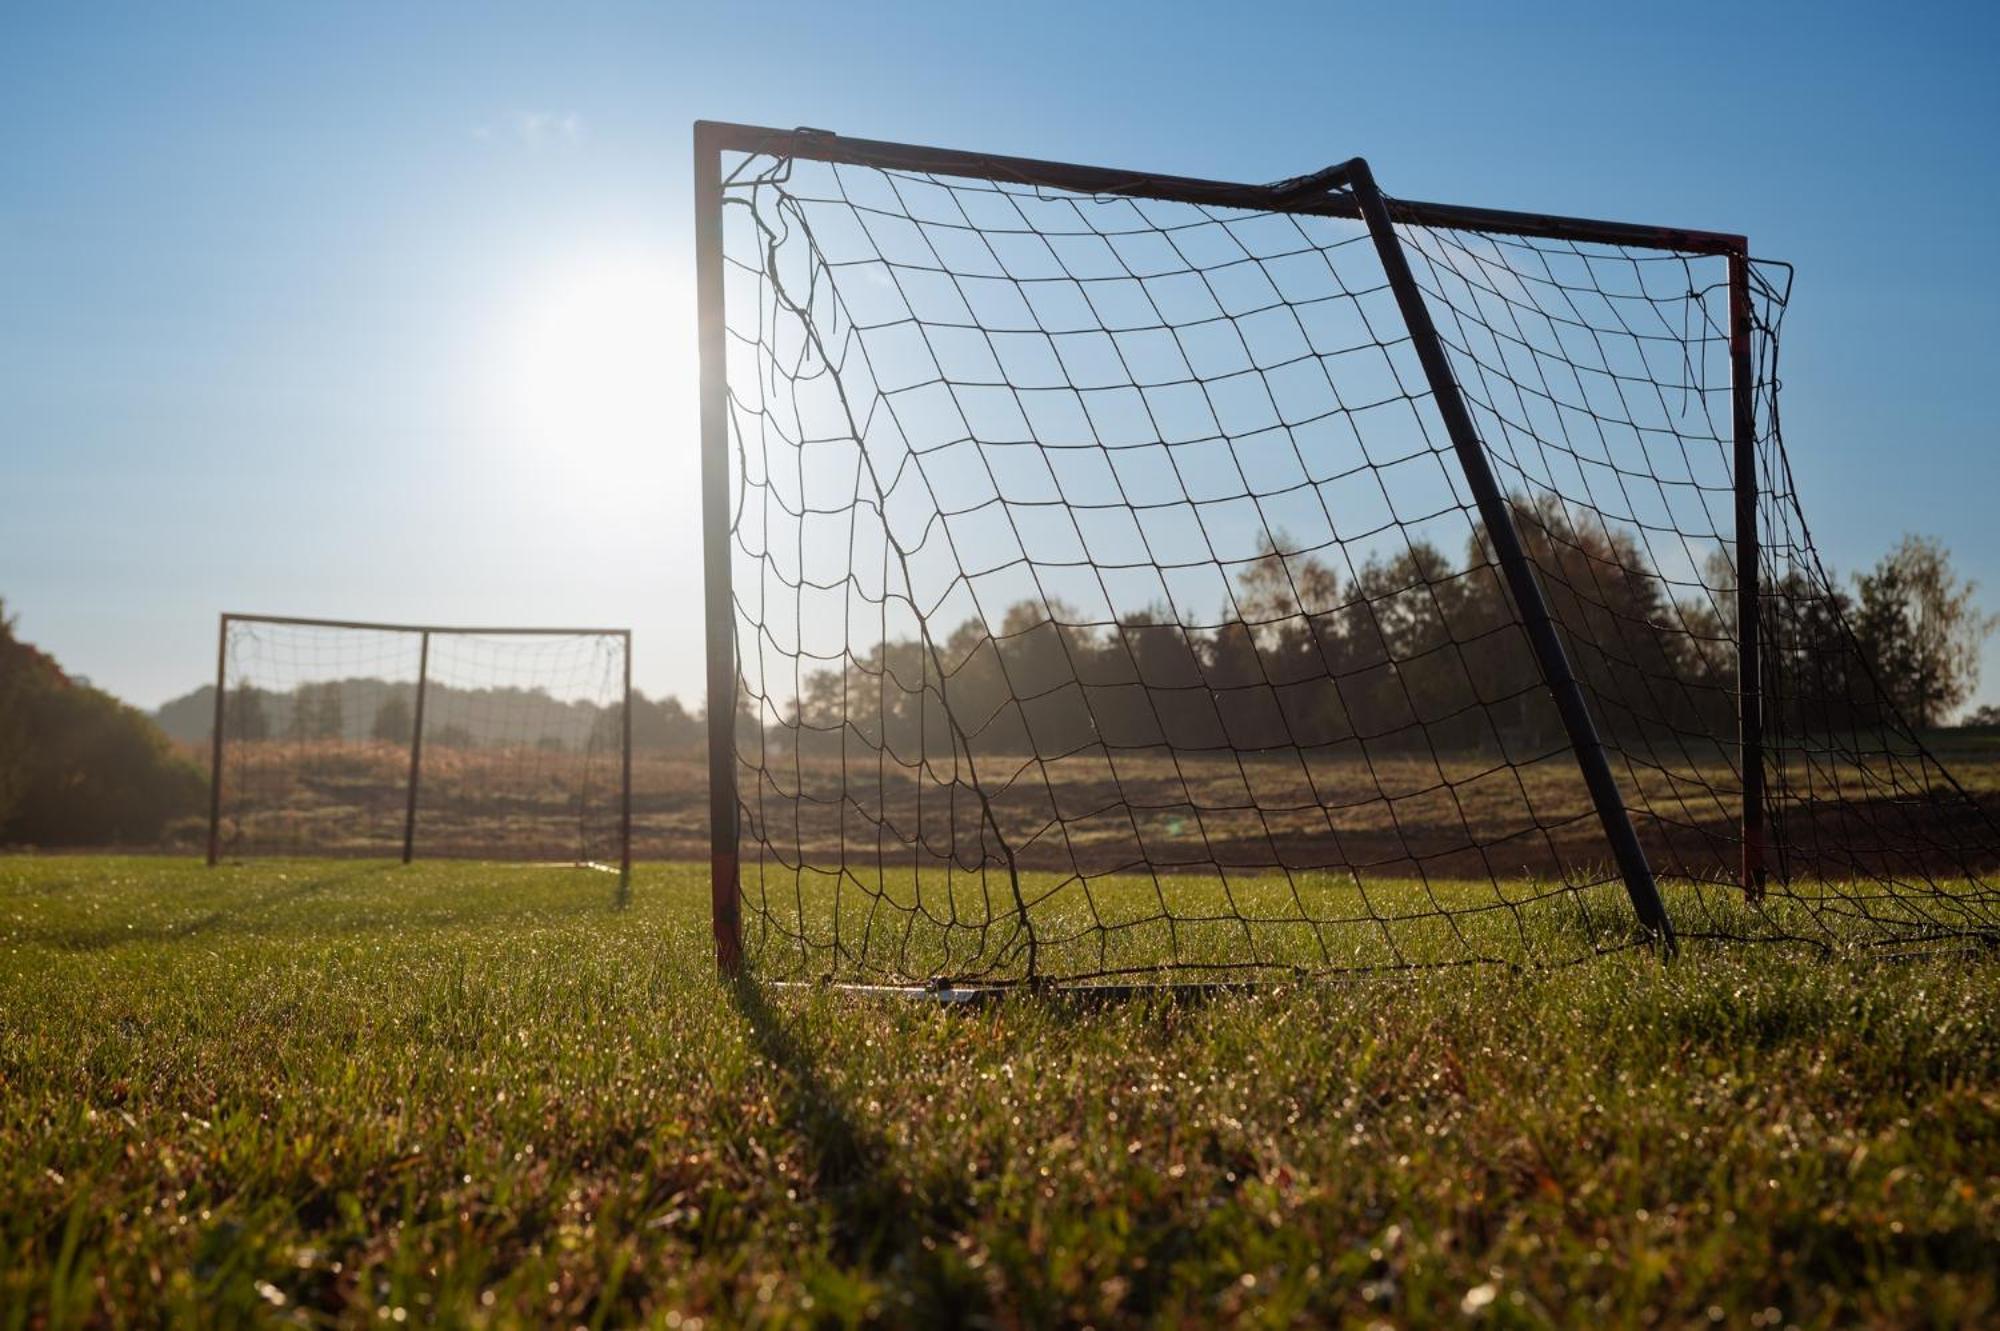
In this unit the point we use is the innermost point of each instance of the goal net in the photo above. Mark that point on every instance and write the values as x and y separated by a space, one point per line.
1126 576
344 739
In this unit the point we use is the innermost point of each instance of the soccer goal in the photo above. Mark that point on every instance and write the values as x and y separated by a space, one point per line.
1114 575
339 738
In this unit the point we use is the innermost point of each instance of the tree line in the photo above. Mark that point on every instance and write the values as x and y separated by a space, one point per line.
376 709
1414 649
1423 650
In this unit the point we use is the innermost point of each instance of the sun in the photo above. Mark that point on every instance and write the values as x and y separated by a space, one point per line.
597 355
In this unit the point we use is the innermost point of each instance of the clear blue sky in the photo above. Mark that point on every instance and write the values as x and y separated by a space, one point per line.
311 309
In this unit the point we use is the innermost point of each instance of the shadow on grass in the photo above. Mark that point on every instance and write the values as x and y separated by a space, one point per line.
98 938
847 1159
881 1224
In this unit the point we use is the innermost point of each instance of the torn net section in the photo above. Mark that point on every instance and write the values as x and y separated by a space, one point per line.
1109 599
522 743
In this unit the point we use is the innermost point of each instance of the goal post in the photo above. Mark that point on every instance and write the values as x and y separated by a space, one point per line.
1744 448
354 738
1115 575
1526 592
725 911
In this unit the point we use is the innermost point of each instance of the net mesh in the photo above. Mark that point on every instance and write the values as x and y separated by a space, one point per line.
1109 599
520 760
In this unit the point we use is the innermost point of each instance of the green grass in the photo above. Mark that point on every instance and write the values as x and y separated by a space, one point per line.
903 927
349 1094
908 928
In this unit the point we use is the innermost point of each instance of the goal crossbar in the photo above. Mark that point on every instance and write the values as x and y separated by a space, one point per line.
1306 195
468 630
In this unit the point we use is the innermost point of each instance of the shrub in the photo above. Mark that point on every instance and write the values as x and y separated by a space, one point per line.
78 767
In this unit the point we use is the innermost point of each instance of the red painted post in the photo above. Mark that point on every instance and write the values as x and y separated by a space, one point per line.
725 902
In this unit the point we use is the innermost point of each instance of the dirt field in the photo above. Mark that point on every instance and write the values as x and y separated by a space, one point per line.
1390 813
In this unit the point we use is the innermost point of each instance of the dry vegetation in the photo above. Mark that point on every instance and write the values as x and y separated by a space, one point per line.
1340 805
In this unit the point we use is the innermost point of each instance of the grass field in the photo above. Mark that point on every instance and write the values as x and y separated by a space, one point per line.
356 1094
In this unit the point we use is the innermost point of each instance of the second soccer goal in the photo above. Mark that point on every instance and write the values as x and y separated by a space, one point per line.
338 738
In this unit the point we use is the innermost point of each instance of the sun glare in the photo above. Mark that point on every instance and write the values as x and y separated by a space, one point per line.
599 355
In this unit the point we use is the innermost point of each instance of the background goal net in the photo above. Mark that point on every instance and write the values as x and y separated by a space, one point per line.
1120 575
337 738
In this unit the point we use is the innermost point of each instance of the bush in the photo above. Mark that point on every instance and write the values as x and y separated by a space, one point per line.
78 767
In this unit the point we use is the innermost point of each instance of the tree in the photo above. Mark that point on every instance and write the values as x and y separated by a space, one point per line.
243 715
1919 629
393 720
658 725
78 767
317 712
1042 651
331 723
16 670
